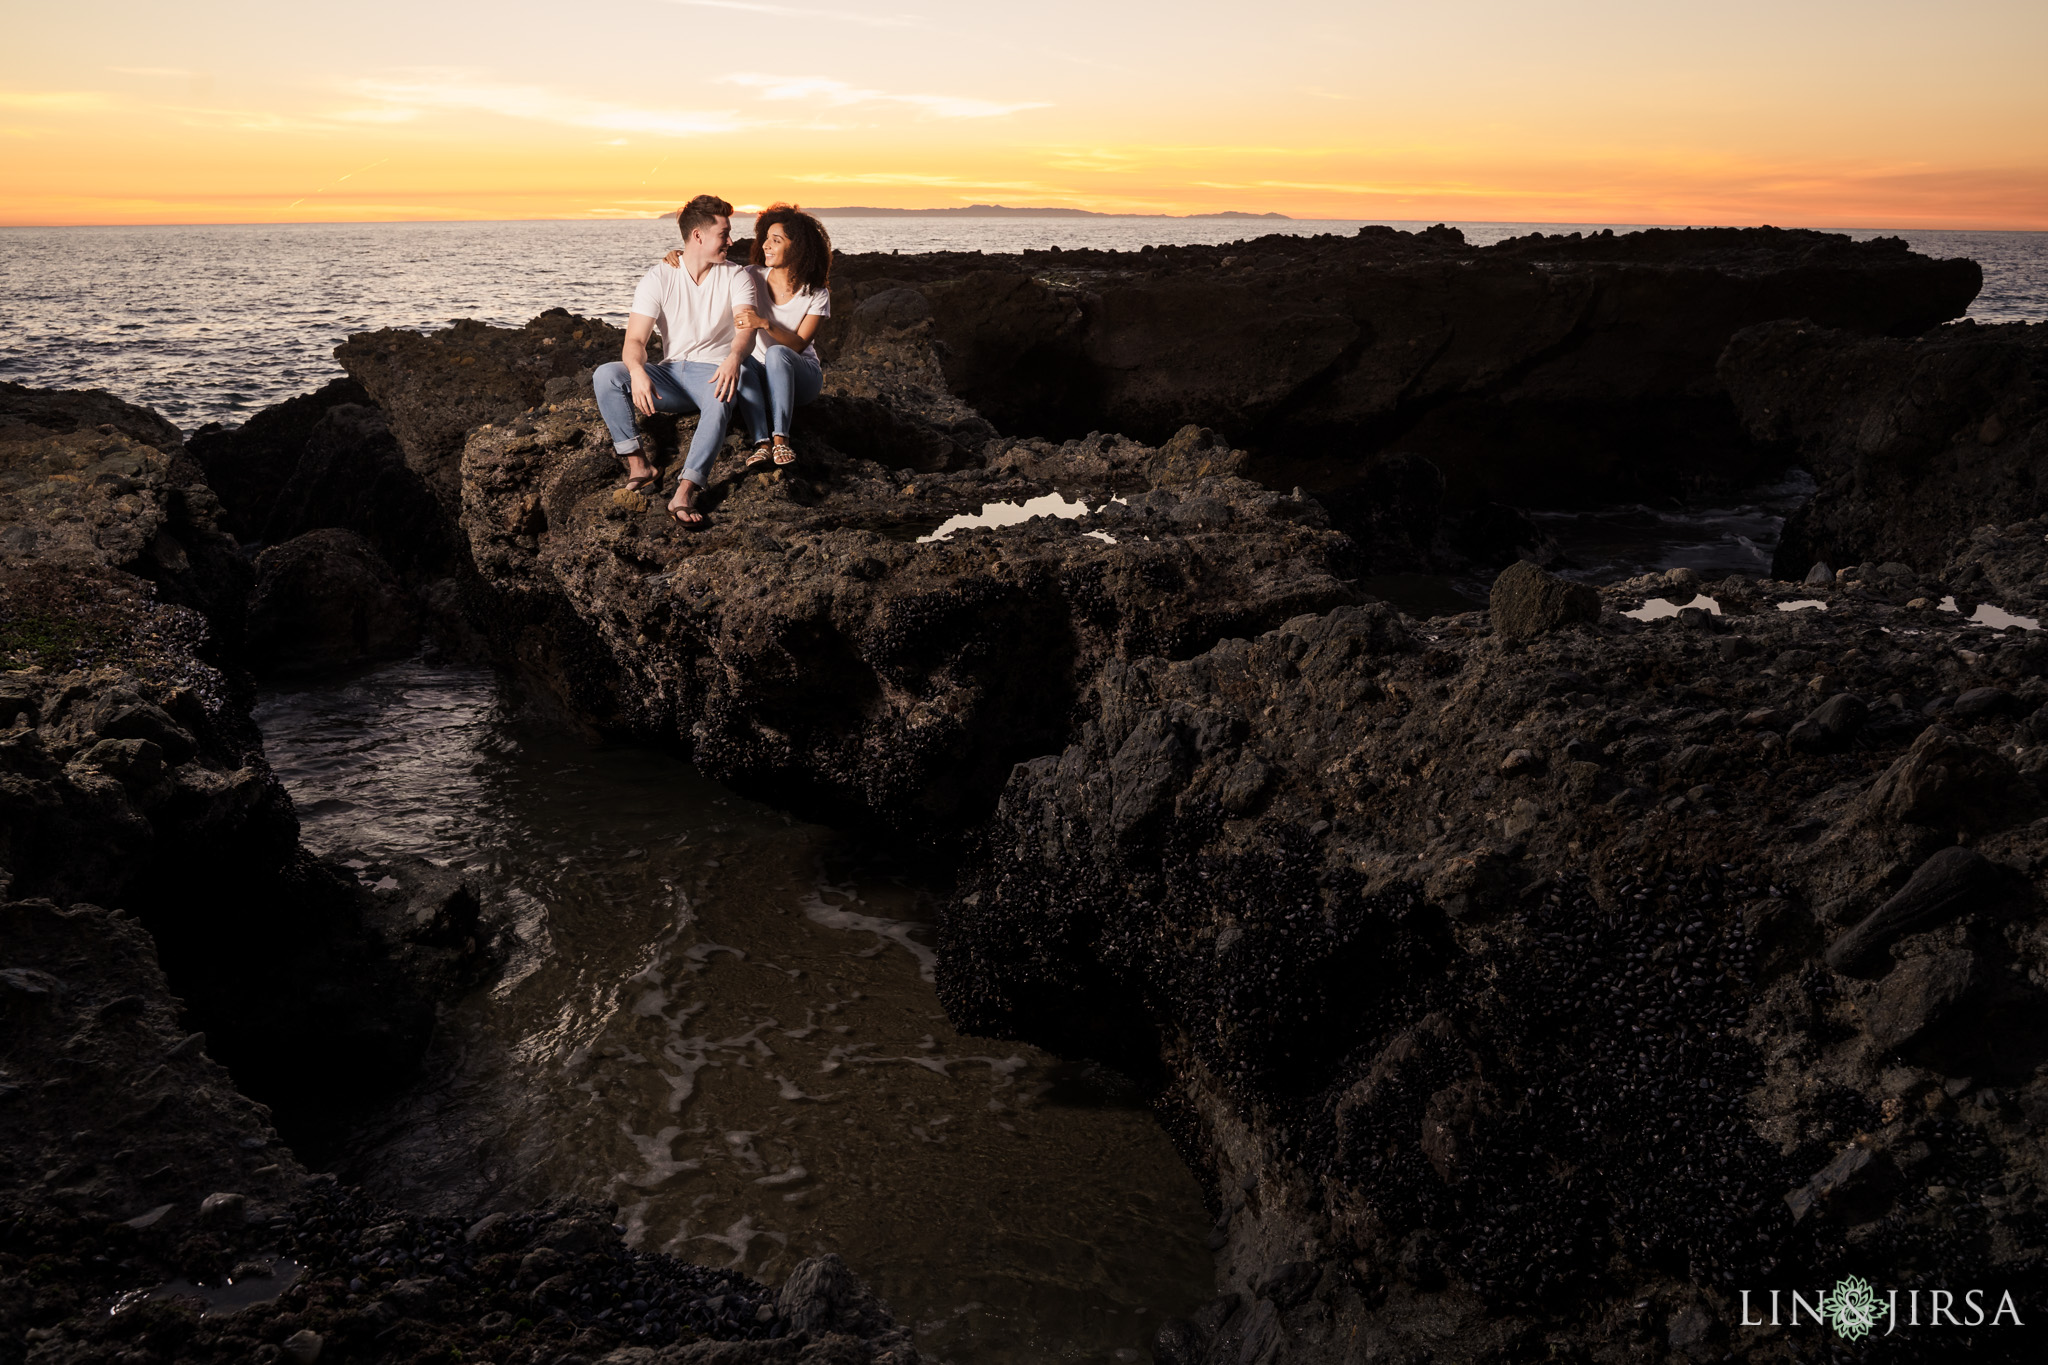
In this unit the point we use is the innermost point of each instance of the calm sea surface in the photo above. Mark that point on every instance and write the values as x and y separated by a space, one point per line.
209 324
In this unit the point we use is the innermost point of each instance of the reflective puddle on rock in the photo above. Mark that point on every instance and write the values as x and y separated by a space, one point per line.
1997 618
1661 608
723 1021
1017 513
249 1284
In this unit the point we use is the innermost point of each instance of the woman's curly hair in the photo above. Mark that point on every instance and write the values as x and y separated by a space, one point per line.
810 247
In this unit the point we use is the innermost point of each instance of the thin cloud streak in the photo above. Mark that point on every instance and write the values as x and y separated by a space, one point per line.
1325 187
793 12
394 100
403 99
339 180
942 182
838 94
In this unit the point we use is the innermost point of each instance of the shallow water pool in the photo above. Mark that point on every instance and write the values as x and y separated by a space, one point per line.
723 1021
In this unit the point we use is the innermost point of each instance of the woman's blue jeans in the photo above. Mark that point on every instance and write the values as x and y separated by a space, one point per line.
788 378
679 386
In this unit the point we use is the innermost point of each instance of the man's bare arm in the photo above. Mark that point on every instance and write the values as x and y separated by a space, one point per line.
639 327
726 382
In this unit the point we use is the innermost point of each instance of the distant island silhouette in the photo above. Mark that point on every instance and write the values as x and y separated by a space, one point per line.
1003 211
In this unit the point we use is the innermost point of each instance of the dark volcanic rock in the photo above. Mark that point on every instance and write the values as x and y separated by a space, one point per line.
1407 934
115 518
328 461
115 1125
1532 369
30 414
89 978
352 1280
1914 443
1831 726
2000 565
351 475
1919 995
248 466
326 601
870 429
133 778
434 388
1527 602
1953 883
129 785
1949 784
807 647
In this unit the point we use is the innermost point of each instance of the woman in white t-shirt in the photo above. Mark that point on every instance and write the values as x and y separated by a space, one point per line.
792 268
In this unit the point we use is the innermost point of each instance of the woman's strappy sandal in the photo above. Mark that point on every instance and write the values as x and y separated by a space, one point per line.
759 457
785 453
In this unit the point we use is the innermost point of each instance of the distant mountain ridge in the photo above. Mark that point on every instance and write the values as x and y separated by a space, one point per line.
1001 211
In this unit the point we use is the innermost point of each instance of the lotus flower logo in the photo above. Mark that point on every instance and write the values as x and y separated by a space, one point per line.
1852 1308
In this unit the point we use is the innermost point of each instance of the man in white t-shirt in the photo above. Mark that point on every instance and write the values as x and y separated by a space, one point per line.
693 304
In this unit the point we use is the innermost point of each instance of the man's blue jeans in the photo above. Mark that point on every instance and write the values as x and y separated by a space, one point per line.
788 378
679 386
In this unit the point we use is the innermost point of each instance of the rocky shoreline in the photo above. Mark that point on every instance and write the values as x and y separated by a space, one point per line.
1522 984
235 963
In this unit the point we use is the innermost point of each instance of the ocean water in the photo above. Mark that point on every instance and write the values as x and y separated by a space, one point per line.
211 324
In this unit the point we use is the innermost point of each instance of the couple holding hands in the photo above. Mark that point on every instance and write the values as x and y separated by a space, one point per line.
733 337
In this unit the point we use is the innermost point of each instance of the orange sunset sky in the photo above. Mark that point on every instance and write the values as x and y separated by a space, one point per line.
1866 114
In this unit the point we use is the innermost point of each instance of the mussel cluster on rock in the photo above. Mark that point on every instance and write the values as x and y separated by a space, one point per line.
1475 965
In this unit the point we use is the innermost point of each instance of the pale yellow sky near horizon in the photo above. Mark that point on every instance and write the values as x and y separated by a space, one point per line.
1866 114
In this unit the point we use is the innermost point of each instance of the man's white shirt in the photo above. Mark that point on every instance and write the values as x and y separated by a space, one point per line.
695 317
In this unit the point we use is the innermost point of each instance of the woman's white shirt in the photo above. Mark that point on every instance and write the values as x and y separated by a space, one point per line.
803 304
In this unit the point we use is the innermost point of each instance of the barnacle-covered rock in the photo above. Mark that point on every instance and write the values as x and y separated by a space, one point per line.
1500 1043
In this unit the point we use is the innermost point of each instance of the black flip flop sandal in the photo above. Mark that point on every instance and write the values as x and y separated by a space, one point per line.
677 514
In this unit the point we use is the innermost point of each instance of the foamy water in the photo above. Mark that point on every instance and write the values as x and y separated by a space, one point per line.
723 1021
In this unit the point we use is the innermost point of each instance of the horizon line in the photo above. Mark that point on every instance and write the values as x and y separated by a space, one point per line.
1085 213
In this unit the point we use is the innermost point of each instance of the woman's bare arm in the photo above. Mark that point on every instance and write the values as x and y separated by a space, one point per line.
797 337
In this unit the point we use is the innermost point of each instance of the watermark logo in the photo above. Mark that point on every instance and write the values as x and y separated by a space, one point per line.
1855 1309
1852 1307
